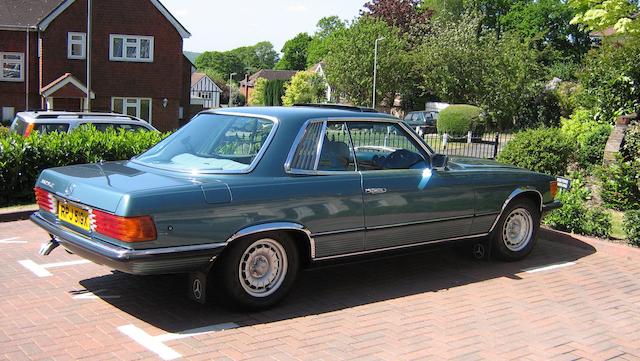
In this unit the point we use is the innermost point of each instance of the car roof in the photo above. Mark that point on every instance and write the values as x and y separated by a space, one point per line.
69 117
301 113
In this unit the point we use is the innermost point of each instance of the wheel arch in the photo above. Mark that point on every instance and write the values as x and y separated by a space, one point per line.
519 193
301 235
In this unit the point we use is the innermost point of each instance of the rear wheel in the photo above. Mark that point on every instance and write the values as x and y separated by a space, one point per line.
515 233
257 271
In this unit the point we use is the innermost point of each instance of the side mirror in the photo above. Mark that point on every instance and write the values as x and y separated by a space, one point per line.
439 161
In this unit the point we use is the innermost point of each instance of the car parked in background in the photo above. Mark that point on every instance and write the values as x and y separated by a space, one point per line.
43 122
248 196
424 122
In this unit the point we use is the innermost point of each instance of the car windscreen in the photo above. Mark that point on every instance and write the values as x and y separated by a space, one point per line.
211 143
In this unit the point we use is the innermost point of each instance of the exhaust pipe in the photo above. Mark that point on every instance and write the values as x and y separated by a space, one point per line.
46 248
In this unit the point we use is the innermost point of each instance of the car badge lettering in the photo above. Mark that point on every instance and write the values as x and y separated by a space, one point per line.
47 183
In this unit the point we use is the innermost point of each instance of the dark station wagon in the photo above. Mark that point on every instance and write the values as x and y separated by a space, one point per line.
245 197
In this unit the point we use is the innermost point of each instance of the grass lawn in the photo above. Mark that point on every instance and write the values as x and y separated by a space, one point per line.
616 222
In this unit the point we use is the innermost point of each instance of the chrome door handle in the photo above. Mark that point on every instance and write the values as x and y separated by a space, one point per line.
375 190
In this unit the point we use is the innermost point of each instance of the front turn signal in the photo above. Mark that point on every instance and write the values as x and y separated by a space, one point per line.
553 188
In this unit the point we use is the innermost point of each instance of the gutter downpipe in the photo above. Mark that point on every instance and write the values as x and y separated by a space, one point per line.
87 104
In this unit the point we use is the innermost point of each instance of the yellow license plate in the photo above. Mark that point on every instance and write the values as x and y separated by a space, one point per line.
74 215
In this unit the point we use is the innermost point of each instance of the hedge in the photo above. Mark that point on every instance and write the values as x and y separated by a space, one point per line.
22 159
631 227
545 150
458 119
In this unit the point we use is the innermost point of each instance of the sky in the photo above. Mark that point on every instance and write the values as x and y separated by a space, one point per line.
227 24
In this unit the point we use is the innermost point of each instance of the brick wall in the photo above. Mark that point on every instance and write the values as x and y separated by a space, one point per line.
13 94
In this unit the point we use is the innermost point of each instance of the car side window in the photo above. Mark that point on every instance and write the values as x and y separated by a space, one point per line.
380 146
45 128
336 153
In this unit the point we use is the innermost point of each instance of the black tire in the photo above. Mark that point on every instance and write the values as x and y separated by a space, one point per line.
503 246
227 274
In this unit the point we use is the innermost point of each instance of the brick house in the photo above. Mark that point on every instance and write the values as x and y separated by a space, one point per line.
137 64
246 87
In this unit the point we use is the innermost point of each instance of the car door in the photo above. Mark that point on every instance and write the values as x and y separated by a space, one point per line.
405 201
326 188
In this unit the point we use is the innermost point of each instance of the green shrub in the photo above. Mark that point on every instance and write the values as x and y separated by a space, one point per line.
620 184
631 149
631 226
458 119
591 145
545 150
576 215
3 131
22 159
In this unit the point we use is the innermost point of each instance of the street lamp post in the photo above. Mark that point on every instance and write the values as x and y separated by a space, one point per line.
375 69
230 80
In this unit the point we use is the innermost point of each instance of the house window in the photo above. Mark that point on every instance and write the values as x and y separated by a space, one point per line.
131 48
12 66
76 45
137 107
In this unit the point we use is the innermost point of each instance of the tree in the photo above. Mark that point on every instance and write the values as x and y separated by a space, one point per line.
502 76
325 30
258 56
294 53
349 62
610 80
546 24
304 87
601 14
223 63
257 95
406 15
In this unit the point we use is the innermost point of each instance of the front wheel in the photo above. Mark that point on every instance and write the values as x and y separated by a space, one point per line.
515 233
258 271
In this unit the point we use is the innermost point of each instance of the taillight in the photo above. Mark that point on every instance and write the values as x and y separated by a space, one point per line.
29 129
45 200
126 229
553 188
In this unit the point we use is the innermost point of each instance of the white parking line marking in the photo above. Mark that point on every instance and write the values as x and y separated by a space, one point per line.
548 267
40 270
156 343
11 240
86 295
35 268
149 342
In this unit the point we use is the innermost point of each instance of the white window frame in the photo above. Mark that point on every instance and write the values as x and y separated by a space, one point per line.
82 43
138 39
138 108
12 61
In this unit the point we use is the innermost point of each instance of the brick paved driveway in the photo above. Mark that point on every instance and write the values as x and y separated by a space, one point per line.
428 305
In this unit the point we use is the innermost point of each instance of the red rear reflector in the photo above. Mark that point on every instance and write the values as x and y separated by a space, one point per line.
126 229
45 200
29 129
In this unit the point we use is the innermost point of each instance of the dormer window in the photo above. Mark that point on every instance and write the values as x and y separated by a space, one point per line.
130 48
76 45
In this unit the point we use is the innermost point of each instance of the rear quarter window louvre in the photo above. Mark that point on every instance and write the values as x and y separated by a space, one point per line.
306 152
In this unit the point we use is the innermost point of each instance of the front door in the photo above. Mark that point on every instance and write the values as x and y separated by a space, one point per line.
405 201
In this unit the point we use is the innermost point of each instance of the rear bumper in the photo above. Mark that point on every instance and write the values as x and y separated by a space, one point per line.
551 206
143 262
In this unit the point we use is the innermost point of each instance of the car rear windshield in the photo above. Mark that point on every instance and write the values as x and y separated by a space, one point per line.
212 143
19 126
